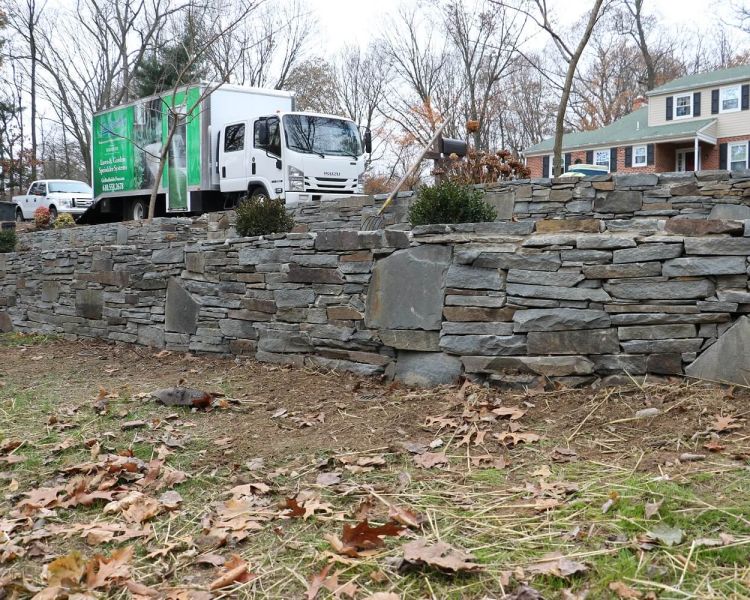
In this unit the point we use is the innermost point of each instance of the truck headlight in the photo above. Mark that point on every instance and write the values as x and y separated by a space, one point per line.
296 179
361 183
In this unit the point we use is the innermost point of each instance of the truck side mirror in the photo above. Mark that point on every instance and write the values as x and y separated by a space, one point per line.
450 146
263 135
368 141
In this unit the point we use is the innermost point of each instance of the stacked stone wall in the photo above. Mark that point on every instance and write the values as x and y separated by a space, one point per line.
517 302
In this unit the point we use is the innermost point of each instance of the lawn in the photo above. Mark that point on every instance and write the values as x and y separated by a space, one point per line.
291 483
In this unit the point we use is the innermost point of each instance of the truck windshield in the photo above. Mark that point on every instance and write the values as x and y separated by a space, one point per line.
322 135
69 187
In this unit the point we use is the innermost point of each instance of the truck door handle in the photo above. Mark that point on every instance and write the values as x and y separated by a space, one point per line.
223 171
253 167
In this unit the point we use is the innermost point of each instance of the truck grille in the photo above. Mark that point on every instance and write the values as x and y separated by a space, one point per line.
82 202
330 185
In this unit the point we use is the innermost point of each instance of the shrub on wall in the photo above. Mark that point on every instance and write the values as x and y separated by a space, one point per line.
42 217
7 240
450 202
64 220
482 167
257 216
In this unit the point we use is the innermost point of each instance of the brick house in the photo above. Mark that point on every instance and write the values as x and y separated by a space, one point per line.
695 122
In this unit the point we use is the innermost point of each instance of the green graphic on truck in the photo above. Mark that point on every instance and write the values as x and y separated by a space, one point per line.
128 142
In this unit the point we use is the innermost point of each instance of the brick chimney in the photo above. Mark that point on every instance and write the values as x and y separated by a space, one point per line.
640 102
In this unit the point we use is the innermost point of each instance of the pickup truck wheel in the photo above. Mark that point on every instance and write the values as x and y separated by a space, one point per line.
52 214
138 210
19 215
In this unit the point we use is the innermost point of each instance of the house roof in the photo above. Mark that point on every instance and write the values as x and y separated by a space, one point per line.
700 80
631 128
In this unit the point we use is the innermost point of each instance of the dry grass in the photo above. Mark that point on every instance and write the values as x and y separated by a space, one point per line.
548 498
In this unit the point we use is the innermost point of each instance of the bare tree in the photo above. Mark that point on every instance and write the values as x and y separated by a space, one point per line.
485 38
179 114
539 13
264 51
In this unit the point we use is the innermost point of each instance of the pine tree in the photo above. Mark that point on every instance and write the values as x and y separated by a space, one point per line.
163 68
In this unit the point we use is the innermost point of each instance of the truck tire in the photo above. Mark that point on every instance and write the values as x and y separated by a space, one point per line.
19 215
138 210
259 193
52 213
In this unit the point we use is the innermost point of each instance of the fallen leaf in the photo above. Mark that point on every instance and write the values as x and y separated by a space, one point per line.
328 478
142 509
440 556
292 508
66 571
557 565
723 423
513 412
524 592
383 596
170 500
428 460
316 583
652 508
714 446
623 591
236 571
362 537
214 560
669 536
102 572
404 516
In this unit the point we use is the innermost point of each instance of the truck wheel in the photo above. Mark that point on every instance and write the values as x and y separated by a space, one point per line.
259 194
52 214
19 215
138 210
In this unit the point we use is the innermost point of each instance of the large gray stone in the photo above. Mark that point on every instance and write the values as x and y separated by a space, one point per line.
647 252
549 366
660 290
730 211
284 342
149 335
89 304
556 292
721 246
662 346
181 310
543 261
486 301
473 278
411 339
502 203
604 241
619 201
623 270
6 323
656 332
166 256
464 328
298 274
427 369
259 256
559 319
620 363
406 290
293 298
636 180
50 291
487 345
559 278
592 341
238 328
695 265
727 359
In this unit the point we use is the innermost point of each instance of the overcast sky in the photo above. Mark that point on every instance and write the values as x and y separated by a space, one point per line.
358 21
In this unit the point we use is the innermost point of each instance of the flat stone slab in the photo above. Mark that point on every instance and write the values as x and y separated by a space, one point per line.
592 341
647 252
619 201
721 246
180 308
488 345
427 369
411 339
661 290
699 227
557 292
407 288
550 366
705 265
727 360
559 278
559 319
473 278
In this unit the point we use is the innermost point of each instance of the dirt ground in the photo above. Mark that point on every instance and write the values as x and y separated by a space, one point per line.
635 492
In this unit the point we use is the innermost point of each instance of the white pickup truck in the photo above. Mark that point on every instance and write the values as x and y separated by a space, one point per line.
59 195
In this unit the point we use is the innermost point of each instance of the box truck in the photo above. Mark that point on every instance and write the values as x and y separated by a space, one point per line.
237 142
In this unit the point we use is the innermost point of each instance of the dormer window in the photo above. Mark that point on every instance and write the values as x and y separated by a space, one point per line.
730 98
683 106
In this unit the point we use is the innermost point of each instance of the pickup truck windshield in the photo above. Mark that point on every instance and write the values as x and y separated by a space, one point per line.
68 187
322 135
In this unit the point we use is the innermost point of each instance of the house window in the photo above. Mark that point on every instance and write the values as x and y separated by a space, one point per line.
601 158
639 156
729 99
738 156
683 106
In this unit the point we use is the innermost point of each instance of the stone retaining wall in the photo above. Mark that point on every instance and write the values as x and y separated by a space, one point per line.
495 301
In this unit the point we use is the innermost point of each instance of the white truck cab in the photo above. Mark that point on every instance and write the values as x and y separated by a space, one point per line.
296 156
58 195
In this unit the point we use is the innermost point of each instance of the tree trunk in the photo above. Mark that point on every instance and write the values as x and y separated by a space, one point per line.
32 52
557 165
